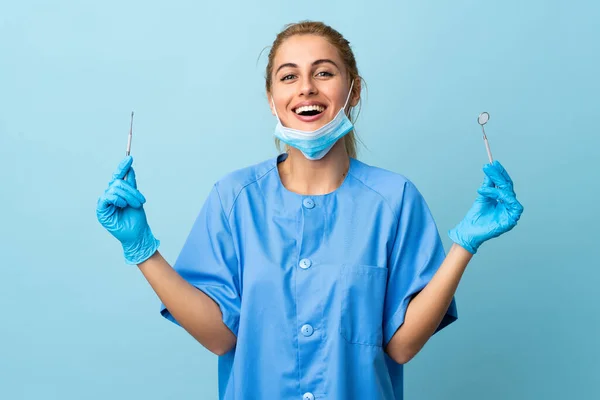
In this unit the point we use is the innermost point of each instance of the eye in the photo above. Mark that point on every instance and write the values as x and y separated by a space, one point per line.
287 77
325 74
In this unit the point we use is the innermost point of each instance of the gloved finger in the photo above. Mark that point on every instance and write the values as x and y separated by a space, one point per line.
130 179
124 185
122 169
492 193
496 176
513 207
103 205
125 195
111 199
487 182
503 171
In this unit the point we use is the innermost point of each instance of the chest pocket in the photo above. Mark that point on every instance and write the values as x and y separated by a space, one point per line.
362 297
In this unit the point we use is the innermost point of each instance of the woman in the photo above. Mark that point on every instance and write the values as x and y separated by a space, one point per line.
312 275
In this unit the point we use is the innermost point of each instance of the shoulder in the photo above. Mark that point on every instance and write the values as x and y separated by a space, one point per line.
232 184
394 188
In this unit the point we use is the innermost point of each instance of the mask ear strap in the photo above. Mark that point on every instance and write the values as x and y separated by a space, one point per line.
349 94
274 109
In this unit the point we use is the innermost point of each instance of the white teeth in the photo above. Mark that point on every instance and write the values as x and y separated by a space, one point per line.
309 108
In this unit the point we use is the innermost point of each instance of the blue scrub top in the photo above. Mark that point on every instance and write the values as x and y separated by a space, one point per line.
314 287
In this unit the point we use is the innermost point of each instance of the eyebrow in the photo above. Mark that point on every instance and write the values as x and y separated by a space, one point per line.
317 62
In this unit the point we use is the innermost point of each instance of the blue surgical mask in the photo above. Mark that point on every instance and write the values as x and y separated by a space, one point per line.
315 144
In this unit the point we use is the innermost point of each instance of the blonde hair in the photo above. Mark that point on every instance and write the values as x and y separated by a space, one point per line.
343 47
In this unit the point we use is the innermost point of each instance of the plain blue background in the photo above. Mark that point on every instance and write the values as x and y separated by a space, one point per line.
79 323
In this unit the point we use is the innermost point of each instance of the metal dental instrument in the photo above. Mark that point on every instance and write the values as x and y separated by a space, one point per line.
128 151
130 136
483 118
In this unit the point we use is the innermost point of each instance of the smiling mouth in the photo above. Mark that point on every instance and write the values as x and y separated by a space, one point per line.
309 111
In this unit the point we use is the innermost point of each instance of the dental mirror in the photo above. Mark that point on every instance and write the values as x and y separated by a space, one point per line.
483 118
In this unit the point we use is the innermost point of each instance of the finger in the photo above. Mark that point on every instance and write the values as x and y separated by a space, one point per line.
503 171
512 205
497 177
514 208
489 193
112 199
122 169
501 195
104 205
128 197
487 182
124 185
131 178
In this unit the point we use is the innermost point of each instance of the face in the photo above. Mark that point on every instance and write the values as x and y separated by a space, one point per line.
310 82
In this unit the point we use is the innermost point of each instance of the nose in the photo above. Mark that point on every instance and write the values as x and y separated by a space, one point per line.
308 87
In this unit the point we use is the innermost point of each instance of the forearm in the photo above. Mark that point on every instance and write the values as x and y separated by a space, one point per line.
427 309
196 312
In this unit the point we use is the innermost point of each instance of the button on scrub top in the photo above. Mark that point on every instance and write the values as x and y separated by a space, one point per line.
314 287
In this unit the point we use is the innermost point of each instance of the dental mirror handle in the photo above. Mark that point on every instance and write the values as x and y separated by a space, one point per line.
487 147
489 152
128 151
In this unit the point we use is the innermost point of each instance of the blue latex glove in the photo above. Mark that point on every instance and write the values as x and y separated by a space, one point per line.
120 210
495 211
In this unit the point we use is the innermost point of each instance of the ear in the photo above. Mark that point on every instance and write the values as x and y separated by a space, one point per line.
356 90
270 100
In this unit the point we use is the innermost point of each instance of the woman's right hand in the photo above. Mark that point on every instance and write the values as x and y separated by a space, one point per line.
120 210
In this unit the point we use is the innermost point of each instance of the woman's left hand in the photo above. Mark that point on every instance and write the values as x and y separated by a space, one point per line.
495 211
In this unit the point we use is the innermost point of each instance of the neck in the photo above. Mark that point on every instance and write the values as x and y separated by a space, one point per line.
315 177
